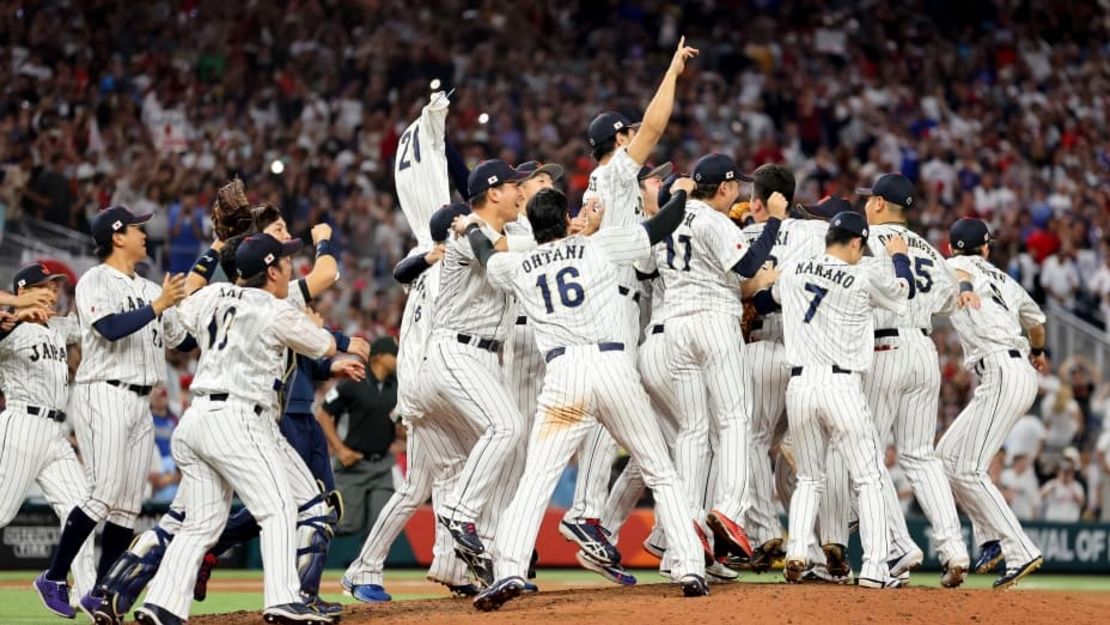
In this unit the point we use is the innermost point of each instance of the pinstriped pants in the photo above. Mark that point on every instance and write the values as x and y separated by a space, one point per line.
1006 390
34 449
584 387
819 401
770 376
115 434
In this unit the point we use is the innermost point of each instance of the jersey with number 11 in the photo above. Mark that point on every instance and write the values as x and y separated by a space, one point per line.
243 334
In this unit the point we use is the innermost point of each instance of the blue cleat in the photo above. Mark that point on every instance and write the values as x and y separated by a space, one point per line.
499 594
990 556
54 596
592 539
612 572
366 593
1013 576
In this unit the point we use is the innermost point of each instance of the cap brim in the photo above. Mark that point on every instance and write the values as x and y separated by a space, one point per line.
54 277
140 219
551 169
864 191
742 177
288 248
661 171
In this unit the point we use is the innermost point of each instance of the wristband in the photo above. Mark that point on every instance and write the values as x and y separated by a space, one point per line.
206 264
342 342
1037 351
966 287
326 248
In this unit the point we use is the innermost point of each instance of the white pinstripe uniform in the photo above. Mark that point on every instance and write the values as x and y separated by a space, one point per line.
616 184
828 328
903 392
229 441
112 423
461 377
420 169
706 354
569 288
797 239
995 350
433 459
523 364
34 375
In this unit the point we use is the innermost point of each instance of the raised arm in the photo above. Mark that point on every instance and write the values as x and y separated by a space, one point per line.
658 112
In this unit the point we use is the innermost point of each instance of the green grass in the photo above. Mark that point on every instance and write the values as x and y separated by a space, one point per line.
21 606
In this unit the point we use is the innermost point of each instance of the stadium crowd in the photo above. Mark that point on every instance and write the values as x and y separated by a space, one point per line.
997 110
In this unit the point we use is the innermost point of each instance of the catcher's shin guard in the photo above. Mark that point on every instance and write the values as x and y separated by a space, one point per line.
133 570
314 536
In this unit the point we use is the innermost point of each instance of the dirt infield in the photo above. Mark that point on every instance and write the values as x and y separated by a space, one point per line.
759 603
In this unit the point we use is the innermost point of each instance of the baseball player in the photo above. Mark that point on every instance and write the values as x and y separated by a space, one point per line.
228 439
567 285
997 352
903 385
797 239
34 374
620 148
702 265
828 325
126 324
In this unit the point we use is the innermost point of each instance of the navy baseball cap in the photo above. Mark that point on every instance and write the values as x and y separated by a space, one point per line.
852 222
826 209
440 223
259 251
665 189
606 126
968 234
383 345
717 168
533 168
491 173
112 220
894 188
661 171
34 275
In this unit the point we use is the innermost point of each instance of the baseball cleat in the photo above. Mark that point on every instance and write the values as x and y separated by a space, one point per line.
905 563
653 548
819 574
762 560
836 557
465 535
613 573
54 596
499 593
890 582
532 564
718 573
200 589
729 532
990 556
150 614
479 565
327 608
592 539
694 586
463 590
366 593
99 609
793 570
953 576
1013 576
294 614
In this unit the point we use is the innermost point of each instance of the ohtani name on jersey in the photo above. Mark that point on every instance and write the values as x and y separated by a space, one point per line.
48 351
539 259
838 277
914 242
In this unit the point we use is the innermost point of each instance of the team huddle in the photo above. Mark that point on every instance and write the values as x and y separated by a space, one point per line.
737 352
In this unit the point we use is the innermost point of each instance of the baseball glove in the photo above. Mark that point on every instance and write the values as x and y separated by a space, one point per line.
750 315
740 214
231 214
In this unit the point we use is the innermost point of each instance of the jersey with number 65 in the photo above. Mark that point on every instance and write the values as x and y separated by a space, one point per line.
826 309
568 288
243 334
935 283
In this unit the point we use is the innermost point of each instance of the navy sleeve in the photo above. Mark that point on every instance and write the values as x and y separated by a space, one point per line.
342 341
457 171
668 218
410 269
641 276
765 302
116 326
319 369
902 270
759 251
188 345
480 243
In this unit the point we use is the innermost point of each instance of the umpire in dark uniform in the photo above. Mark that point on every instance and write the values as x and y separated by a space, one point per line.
363 464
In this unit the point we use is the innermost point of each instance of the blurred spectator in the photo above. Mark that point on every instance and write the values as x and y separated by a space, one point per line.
1021 488
1102 458
164 476
1081 376
1025 439
1063 495
186 232
1063 422
1060 277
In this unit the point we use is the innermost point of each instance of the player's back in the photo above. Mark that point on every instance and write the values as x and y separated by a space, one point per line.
696 263
1005 309
616 184
34 367
797 239
467 303
935 284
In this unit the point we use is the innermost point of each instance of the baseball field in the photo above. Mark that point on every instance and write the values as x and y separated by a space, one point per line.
575 596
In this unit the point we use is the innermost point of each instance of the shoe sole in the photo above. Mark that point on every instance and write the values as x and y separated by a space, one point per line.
1029 568
653 550
103 618
957 573
296 619
620 579
720 530
42 598
694 588
585 544
989 566
915 564
793 570
146 618
494 601
721 579
481 568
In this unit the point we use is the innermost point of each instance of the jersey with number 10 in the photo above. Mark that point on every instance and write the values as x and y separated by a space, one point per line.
243 335
568 288
826 309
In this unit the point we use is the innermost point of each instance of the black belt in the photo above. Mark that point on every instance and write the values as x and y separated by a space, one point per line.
657 329
623 290
1013 353
141 391
53 415
522 320
489 345
226 396
797 371
886 333
756 325
601 347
